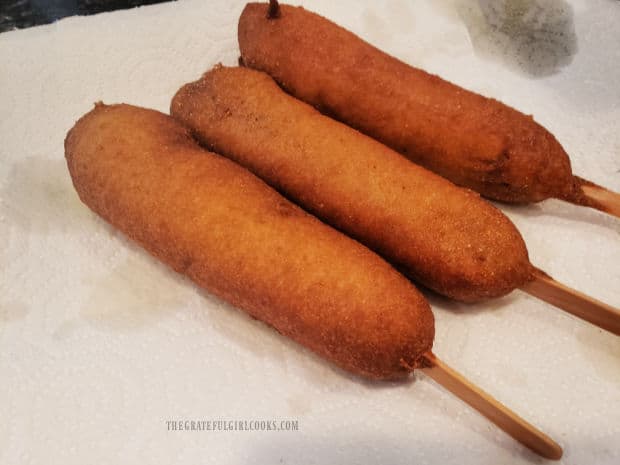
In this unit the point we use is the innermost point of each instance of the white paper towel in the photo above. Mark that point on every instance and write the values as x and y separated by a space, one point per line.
100 345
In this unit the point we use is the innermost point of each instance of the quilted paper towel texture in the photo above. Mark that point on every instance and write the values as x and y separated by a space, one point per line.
100 345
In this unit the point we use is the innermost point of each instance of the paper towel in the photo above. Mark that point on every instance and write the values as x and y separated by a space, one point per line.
100 345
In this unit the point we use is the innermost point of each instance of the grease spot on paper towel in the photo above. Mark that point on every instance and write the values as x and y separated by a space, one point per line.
12 311
510 375
298 405
602 351
400 15
374 28
534 37
39 196
137 293
396 16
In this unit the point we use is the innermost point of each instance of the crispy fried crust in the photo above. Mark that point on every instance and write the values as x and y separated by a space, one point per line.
215 222
474 141
441 235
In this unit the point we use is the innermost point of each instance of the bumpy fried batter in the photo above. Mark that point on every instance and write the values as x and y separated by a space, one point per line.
215 222
441 235
472 140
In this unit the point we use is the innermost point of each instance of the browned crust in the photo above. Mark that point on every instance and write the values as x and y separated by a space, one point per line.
213 221
443 236
472 140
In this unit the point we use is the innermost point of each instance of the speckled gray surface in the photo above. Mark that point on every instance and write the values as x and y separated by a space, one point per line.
100 344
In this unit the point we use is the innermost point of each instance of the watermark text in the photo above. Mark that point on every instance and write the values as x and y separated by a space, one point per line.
221 424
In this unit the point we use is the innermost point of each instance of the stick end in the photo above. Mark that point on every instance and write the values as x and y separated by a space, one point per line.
273 11
551 451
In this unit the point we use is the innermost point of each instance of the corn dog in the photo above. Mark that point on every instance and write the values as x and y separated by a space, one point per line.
215 222
474 141
442 236
212 220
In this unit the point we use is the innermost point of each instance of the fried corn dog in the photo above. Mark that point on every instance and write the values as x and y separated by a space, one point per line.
215 222
440 235
474 141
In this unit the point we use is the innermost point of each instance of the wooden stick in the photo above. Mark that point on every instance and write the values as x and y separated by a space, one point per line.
603 199
574 302
503 417
274 9
592 195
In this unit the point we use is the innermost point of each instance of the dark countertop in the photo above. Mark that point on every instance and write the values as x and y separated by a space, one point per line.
19 14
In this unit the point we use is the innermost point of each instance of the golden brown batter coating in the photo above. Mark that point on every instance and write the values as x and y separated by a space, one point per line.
215 222
472 140
441 235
